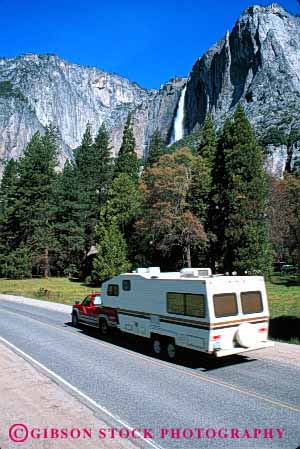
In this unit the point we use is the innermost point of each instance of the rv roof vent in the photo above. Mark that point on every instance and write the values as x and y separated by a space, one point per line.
204 272
195 272
141 270
154 271
189 272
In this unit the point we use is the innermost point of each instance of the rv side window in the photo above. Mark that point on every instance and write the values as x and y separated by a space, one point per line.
251 302
113 290
126 285
186 304
194 305
225 305
175 303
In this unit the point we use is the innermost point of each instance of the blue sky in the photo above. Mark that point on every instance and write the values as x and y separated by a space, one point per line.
146 41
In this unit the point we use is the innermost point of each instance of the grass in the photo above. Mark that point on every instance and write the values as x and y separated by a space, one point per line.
284 302
284 298
292 341
61 290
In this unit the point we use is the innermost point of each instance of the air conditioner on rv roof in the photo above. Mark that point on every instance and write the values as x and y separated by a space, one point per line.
195 272
150 270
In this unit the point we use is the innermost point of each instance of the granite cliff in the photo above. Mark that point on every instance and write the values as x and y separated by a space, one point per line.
36 90
256 64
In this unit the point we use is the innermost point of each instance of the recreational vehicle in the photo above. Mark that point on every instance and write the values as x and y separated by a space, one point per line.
215 314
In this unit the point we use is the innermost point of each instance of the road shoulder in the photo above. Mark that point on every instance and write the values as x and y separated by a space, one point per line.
31 398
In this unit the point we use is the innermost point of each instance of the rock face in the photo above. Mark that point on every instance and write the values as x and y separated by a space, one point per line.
258 65
36 90
156 112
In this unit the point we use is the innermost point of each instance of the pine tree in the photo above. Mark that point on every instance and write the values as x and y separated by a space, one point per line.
8 184
207 147
103 162
123 200
93 171
127 161
8 199
84 156
35 206
216 210
240 199
14 262
69 227
201 188
111 258
156 149
93 162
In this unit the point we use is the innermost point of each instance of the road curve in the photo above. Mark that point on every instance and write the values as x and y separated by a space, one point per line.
243 392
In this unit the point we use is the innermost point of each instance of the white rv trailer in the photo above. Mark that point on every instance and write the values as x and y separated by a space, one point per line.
215 314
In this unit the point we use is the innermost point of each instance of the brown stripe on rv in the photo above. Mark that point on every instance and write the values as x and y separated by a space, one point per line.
201 324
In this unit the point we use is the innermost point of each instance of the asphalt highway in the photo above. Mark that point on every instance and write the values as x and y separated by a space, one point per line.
242 393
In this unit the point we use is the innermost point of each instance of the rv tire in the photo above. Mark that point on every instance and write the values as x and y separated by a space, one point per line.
171 349
157 345
103 327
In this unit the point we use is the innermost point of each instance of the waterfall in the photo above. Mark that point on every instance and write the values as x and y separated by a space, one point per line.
178 128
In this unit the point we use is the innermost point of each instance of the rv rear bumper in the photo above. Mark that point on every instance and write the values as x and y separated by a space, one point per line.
225 352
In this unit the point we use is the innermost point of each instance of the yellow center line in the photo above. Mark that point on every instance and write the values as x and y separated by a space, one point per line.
197 376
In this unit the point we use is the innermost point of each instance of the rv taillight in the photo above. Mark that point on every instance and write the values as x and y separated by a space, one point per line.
216 337
263 329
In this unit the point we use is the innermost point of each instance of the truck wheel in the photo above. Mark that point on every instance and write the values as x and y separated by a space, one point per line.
75 320
103 328
157 345
171 350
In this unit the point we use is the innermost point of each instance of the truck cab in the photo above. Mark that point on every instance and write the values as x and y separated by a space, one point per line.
91 312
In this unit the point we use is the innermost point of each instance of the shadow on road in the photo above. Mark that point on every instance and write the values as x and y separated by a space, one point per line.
185 357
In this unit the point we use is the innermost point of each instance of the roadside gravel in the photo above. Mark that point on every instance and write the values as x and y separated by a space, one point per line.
30 398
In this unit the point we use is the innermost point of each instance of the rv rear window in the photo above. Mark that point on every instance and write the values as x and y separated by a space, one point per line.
251 302
186 304
225 305
113 290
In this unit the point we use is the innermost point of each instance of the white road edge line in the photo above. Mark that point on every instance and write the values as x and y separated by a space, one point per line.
77 391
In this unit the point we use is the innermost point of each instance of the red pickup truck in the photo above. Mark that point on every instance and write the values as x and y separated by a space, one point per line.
91 313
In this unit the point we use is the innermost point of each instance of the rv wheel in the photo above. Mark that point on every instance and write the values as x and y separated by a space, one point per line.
103 328
157 346
171 350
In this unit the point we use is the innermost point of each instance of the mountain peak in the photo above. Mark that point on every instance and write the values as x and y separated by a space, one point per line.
257 64
273 8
